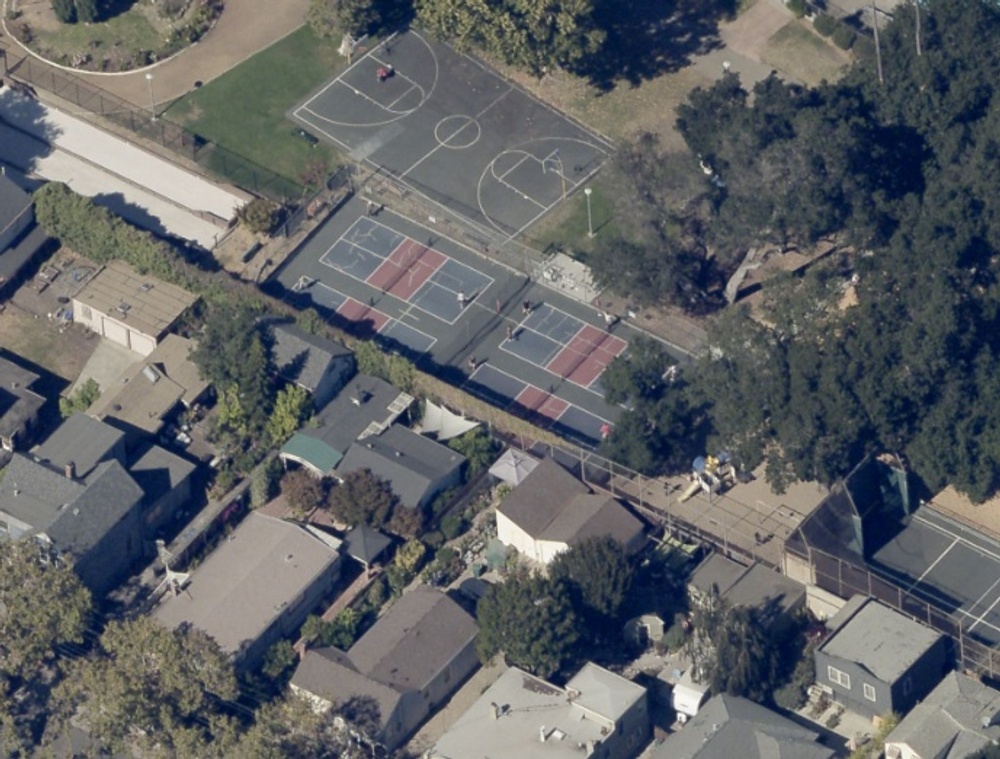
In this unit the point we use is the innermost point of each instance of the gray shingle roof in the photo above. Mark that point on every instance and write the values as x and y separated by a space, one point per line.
414 640
409 461
728 727
18 402
361 402
552 504
12 201
303 358
110 494
881 640
365 543
403 651
959 717
158 471
83 440
541 496
75 514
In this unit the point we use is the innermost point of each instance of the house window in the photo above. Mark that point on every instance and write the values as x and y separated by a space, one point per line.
836 676
869 691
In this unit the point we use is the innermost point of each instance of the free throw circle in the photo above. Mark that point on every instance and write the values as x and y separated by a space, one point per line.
457 132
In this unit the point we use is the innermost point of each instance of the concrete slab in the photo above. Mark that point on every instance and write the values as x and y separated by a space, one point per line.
107 365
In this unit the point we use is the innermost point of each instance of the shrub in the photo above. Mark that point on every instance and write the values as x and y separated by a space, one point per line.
825 24
833 720
171 9
453 525
790 696
434 539
797 7
81 400
86 11
844 36
676 635
65 11
259 215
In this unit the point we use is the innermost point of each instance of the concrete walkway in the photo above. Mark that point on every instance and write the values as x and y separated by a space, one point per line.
141 187
244 28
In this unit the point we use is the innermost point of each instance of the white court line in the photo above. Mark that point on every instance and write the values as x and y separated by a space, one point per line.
934 563
407 92
979 620
964 540
443 143
523 195
516 166
399 320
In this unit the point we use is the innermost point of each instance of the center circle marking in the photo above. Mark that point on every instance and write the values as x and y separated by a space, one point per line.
457 132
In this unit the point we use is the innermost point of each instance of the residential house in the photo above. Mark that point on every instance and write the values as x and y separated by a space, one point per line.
131 309
93 520
876 660
409 662
314 363
365 545
153 390
417 467
960 717
21 240
727 727
599 715
19 406
257 586
364 407
80 491
165 479
552 510
775 597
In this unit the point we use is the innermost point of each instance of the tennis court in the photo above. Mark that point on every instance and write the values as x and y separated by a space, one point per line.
950 566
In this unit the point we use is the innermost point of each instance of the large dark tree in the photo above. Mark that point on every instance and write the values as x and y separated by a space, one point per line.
530 620
599 575
362 498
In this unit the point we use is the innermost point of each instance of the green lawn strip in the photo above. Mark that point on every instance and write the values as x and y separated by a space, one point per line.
244 109
567 228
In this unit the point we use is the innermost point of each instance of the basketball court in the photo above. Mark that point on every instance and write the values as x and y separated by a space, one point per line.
949 566
455 131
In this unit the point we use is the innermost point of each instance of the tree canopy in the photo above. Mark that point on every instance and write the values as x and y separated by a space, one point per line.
890 341
362 498
599 576
531 621
530 34
153 687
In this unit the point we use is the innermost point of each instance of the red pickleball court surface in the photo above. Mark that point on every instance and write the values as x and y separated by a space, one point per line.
358 312
406 269
540 402
587 355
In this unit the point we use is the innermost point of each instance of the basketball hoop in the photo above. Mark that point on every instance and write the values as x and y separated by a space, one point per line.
348 45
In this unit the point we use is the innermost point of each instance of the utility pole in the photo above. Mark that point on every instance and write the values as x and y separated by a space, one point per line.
878 49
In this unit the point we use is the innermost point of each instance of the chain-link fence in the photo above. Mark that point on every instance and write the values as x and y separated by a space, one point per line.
223 163
845 579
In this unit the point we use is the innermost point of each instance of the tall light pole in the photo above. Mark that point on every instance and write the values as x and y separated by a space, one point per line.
152 102
590 217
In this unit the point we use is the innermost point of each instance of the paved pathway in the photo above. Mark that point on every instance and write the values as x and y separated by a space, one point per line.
245 27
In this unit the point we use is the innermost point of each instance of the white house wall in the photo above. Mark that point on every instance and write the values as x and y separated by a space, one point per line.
905 752
542 551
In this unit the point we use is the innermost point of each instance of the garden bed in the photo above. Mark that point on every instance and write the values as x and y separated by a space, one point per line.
128 36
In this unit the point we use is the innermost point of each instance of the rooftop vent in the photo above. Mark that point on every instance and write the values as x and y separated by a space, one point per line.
146 287
123 308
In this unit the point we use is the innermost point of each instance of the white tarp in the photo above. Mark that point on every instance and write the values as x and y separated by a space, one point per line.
513 466
443 423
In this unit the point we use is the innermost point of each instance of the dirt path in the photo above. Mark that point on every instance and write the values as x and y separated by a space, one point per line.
244 28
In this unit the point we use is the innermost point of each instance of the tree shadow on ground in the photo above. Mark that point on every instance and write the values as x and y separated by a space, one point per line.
646 38
109 9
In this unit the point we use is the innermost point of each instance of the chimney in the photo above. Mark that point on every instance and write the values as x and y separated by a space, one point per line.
496 709
70 470
542 735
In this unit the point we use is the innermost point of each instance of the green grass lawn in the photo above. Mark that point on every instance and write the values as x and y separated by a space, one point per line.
244 109
567 227
131 31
